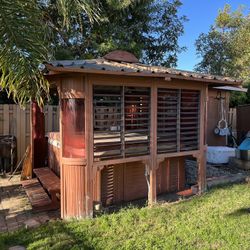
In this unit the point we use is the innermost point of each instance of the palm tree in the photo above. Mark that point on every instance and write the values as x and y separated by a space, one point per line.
24 36
25 41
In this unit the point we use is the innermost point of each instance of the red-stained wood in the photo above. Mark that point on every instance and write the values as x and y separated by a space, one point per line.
50 182
201 157
152 195
54 152
73 194
82 180
171 175
38 140
73 170
89 173
213 107
37 196
135 185
153 164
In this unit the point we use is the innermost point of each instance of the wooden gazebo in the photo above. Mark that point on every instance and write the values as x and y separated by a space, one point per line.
126 128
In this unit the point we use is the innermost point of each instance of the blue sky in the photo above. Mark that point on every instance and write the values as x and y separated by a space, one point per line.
201 15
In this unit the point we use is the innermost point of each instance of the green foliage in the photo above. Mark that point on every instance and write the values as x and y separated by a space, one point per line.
149 29
32 32
226 45
225 50
228 19
216 55
22 48
241 50
217 220
25 42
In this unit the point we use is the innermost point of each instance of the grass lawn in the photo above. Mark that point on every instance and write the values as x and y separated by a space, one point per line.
217 220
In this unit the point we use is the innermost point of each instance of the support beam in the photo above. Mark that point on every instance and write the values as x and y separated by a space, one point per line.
89 177
97 185
201 163
201 156
38 142
151 165
152 194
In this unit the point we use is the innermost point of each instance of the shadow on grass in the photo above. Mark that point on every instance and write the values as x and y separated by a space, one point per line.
240 212
141 203
55 235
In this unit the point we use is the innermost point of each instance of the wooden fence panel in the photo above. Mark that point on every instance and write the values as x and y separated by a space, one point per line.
16 121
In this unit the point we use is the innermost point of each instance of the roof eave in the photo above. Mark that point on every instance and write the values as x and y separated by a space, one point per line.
168 76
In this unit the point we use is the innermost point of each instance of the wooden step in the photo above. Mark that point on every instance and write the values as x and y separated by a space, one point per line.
38 198
48 179
50 182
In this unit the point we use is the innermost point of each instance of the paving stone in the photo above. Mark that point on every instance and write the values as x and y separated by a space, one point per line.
43 218
21 217
10 225
17 248
13 228
31 223
11 221
15 209
3 229
3 224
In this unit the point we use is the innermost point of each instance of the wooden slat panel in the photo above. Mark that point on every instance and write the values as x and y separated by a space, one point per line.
189 110
171 175
74 198
176 119
137 120
167 116
135 185
107 121
121 121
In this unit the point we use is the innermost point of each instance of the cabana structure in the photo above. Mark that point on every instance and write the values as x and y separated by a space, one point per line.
126 128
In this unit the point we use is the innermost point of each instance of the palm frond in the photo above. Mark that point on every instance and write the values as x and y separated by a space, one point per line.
22 48
73 9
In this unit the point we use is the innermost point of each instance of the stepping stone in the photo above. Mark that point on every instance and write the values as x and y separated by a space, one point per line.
31 223
17 248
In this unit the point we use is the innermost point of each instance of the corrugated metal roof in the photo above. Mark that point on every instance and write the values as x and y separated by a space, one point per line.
104 66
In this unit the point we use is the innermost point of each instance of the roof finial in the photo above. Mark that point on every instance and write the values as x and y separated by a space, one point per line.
121 56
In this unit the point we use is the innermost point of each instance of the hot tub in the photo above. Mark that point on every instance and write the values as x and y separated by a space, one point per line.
219 154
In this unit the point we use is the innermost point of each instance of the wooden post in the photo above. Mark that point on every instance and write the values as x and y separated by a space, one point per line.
89 148
38 142
97 184
201 158
152 164
152 195
74 174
